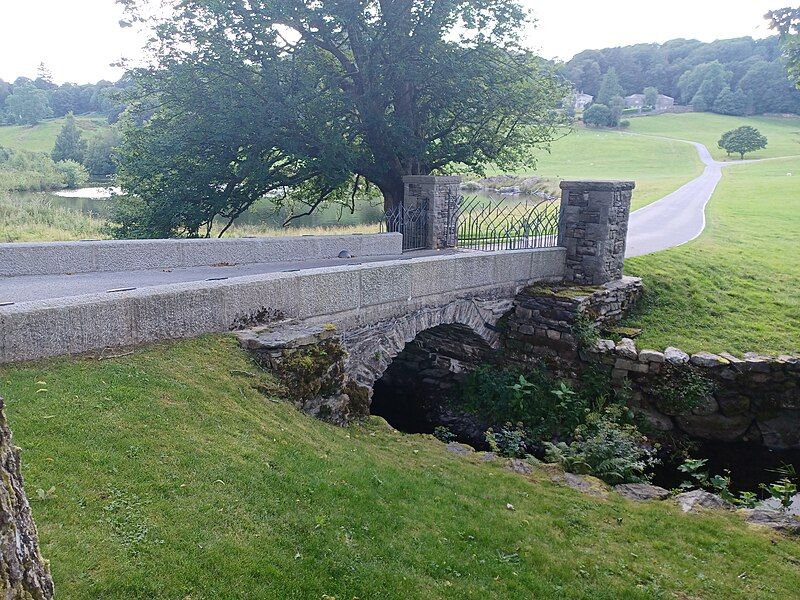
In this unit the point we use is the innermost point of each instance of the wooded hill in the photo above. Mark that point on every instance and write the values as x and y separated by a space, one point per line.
736 76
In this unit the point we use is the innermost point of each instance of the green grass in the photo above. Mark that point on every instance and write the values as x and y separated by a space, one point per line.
173 478
659 167
42 137
735 287
35 219
783 133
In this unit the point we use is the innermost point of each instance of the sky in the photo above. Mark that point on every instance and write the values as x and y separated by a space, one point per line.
79 40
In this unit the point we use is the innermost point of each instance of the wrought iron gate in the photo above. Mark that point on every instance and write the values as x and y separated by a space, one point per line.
411 221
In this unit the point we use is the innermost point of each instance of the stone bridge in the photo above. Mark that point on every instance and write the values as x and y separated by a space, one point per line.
377 302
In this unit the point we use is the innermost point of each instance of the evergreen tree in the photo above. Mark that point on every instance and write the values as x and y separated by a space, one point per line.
609 88
70 144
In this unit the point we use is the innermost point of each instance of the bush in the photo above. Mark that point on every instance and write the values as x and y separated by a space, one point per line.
679 391
624 124
74 173
599 115
613 451
545 407
508 441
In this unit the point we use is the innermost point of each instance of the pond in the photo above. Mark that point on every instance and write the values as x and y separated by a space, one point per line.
96 202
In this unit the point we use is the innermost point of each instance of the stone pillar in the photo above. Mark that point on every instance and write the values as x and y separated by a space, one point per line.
443 194
593 225
25 574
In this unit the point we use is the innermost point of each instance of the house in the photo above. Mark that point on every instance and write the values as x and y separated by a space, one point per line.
580 100
664 102
635 101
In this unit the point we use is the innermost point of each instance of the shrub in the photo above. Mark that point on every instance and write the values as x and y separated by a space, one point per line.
508 441
613 451
679 391
443 434
74 173
585 332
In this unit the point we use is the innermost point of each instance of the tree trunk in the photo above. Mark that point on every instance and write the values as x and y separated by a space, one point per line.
392 189
24 574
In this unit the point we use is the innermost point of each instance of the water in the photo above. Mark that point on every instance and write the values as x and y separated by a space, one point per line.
96 201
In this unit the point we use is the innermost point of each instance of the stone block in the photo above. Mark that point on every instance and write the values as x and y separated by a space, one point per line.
676 356
652 356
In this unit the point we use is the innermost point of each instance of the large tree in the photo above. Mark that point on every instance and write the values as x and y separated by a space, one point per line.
244 98
70 144
787 22
27 105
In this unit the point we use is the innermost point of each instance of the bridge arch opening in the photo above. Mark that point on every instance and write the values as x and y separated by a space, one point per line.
420 388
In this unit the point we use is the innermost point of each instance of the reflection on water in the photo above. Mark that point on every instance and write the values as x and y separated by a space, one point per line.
97 202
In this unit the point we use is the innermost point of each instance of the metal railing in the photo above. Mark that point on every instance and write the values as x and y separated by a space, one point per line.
487 225
411 221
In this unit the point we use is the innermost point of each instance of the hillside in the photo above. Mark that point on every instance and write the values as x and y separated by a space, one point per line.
42 137
166 474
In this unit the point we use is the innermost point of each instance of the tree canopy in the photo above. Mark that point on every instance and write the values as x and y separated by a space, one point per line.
680 68
742 140
246 99
70 144
787 22
27 105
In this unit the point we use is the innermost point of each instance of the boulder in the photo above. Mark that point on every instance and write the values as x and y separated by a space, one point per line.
652 356
656 419
641 491
774 519
523 467
782 430
696 499
715 427
676 356
460 449
586 484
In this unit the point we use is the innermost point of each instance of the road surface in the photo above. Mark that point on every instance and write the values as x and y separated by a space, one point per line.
680 216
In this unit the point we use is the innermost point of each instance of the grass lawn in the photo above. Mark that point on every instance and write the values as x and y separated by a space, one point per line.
734 288
42 137
172 477
783 133
658 166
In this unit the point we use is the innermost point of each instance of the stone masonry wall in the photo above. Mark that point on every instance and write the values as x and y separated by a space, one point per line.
721 397
443 196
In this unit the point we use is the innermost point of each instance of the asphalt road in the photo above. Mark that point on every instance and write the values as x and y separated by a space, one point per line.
678 217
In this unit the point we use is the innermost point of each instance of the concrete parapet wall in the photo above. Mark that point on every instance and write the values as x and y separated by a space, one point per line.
59 258
357 294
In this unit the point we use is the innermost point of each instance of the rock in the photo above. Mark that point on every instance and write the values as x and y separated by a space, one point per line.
715 427
520 466
774 519
641 491
656 419
626 348
652 356
487 456
585 484
676 356
696 499
706 406
706 359
345 254
459 449
782 430
603 346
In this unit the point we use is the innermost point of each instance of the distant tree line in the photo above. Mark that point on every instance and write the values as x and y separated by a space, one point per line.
738 76
28 101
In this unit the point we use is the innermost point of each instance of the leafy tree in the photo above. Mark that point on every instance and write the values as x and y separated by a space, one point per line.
70 144
99 159
731 103
599 115
74 173
769 88
609 88
787 22
742 140
27 105
650 96
246 98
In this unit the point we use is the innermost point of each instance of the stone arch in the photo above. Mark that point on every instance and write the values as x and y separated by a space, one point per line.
371 349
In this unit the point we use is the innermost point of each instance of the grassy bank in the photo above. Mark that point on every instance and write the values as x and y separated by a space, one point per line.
42 136
783 133
166 475
735 287
38 220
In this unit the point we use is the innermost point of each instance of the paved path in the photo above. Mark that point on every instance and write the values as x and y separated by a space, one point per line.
39 287
680 216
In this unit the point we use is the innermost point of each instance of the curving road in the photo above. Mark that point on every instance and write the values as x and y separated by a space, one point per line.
680 216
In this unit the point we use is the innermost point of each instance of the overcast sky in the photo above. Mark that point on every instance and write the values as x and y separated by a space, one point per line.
79 39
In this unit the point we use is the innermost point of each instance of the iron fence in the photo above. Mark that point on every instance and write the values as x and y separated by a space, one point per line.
485 225
411 221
